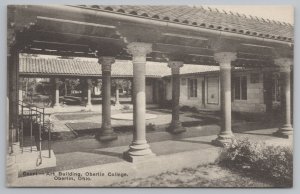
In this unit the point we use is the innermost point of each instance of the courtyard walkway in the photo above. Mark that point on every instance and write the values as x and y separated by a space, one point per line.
89 166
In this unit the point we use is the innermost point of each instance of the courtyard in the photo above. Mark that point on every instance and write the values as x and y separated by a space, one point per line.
194 87
75 146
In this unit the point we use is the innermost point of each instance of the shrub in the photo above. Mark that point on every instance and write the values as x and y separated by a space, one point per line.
185 108
260 160
194 110
151 127
126 107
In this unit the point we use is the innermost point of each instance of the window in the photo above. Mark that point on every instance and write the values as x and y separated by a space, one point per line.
276 90
240 88
192 87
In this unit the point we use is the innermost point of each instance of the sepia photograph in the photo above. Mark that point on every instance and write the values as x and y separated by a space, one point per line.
176 96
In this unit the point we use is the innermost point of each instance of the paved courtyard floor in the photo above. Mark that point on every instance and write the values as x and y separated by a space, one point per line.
109 167
84 154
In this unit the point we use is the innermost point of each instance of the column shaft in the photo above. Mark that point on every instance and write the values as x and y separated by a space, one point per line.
225 136
175 126
106 95
225 79
287 95
139 148
286 130
89 93
56 96
106 133
13 79
117 96
139 113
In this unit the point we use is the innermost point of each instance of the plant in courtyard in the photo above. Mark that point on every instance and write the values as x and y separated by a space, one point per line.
275 163
151 127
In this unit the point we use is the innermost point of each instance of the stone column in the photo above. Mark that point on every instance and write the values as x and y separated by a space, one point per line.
107 133
89 93
139 148
56 96
175 126
117 103
225 59
285 64
13 97
20 97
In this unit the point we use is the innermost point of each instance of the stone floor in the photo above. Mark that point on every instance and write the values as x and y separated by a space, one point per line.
75 167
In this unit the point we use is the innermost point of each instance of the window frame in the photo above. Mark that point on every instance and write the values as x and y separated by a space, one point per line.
243 92
192 90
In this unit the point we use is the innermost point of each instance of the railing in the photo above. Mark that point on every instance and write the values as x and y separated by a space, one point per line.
34 118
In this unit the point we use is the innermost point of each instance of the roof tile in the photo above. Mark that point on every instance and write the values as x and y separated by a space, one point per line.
211 18
121 68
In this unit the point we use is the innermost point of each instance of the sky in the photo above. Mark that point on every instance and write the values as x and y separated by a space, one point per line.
282 13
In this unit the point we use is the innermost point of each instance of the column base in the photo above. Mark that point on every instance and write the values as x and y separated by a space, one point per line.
223 140
88 107
106 135
138 152
286 131
56 106
176 128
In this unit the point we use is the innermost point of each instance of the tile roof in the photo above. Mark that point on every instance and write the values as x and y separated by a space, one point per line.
44 66
209 18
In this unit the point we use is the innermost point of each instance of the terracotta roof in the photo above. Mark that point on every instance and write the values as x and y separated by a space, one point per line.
209 18
90 67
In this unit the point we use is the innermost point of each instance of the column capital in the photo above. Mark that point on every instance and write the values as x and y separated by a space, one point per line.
139 50
175 66
284 64
106 63
225 58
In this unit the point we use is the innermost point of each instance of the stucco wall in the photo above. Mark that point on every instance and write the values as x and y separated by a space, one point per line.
255 96
255 93
185 100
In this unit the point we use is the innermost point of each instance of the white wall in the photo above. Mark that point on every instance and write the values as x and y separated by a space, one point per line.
255 93
184 99
255 96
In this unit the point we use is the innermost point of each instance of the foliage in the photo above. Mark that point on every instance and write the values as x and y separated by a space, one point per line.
71 84
260 160
127 107
28 85
124 84
151 127
189 109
